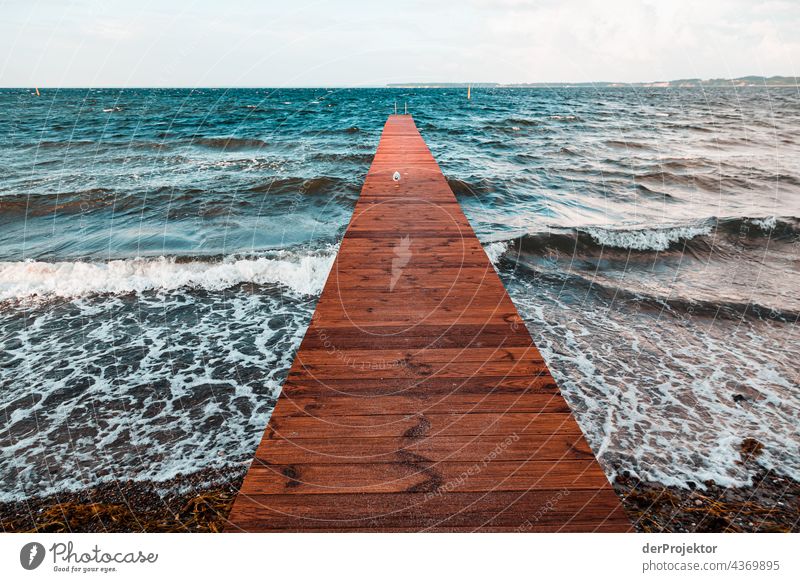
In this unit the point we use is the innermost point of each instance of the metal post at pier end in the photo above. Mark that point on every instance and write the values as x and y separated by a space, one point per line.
395 106
405 105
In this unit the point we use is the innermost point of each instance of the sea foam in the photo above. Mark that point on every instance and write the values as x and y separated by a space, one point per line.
496 250
302 274
647 239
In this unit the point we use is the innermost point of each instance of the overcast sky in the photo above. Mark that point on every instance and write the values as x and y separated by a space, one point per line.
199 43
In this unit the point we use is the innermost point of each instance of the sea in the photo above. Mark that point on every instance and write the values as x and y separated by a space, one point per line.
162 251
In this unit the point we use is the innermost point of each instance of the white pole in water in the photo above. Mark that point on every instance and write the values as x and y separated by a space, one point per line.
395 106
406 107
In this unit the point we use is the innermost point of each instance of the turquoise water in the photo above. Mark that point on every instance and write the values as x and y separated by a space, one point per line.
161 252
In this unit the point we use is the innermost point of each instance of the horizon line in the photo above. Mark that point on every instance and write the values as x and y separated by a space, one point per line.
791 81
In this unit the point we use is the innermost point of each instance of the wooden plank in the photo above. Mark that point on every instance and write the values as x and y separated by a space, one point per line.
389 369
431 356
417 400
415 425
584 509
470 448
415 476
543 383
454 403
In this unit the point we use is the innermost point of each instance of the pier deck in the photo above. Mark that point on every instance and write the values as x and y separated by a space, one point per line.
417 400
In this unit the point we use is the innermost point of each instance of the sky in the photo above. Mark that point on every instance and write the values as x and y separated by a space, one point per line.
269 43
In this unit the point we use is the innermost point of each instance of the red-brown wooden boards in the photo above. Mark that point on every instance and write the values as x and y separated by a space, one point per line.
417 400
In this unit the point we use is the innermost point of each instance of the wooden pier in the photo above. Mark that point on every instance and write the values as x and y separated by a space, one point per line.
417 400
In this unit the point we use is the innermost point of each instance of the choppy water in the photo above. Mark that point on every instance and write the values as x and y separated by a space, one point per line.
161 252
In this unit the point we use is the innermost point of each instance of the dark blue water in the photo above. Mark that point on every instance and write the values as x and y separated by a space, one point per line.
161 252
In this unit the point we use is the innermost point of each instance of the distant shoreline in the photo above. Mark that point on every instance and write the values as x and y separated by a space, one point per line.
749 81
734 83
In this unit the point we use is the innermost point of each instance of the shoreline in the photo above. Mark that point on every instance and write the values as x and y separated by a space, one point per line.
200 502
772 504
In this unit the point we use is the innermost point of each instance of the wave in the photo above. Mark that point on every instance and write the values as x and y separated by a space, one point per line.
702 173
195 200
335 131
518 121
296 185
625 291
712 181
341 157
770 227
304 274
590 240
650 292
495 251
477 187
109 142
511 125
646 239
685 164
628 145
146 145
12 205
639 265
691 127
229 143
657 194
52 144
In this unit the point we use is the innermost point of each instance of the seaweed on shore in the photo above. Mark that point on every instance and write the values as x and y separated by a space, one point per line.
201 503
196 503
772 504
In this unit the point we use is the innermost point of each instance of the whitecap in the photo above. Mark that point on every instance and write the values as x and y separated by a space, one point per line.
302 274
766 223
495 251
646 239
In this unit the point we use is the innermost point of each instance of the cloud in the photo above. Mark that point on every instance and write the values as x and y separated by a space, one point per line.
322 42
633 40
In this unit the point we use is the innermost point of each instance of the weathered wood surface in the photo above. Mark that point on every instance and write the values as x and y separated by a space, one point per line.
417 400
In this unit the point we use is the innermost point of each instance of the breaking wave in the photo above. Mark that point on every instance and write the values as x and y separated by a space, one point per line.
646 239
590 240
301 274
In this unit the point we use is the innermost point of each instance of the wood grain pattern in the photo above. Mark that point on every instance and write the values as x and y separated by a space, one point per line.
418 400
